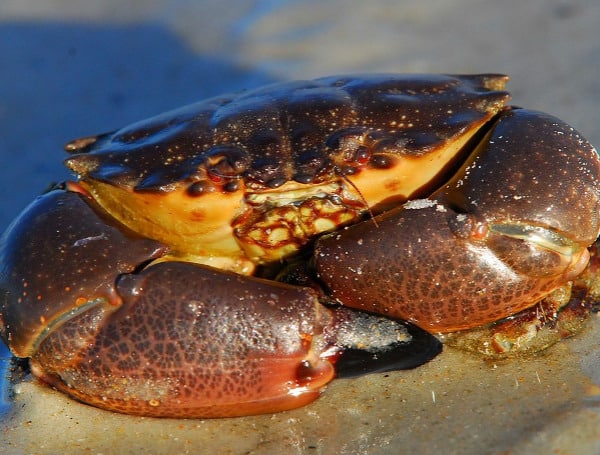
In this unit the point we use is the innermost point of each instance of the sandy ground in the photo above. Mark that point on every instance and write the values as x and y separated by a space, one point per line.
72 68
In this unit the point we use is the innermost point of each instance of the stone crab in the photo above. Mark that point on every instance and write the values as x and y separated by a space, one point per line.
231 257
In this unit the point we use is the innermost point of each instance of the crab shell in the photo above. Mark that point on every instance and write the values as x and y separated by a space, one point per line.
443 206
252 177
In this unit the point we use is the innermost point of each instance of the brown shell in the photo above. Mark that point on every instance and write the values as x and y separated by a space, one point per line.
305 131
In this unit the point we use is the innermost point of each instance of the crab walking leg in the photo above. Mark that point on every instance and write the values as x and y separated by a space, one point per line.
513 224
174 339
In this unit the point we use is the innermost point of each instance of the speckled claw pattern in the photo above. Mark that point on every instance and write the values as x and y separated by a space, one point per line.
147 287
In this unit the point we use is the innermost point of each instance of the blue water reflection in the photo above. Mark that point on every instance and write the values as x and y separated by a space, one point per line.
4 380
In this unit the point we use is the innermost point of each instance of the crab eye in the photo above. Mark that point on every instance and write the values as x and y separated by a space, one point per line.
350 148
199 188
361 155
232 186
309 164
225 161
381 161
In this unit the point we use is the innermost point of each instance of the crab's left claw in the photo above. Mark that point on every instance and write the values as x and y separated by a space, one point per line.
512 225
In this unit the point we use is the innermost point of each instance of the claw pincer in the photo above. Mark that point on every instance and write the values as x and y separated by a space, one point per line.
233 256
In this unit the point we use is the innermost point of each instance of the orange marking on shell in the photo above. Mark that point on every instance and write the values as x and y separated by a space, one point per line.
306 340
198 215
392 186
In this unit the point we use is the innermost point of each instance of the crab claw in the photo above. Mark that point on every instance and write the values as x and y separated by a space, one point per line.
180 345
105 323
513 224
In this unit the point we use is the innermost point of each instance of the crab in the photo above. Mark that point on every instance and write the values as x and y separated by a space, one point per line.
233 256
